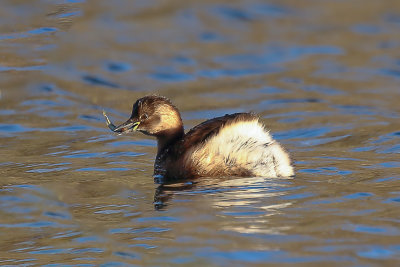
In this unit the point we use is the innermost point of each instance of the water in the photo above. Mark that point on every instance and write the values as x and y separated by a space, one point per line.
323 75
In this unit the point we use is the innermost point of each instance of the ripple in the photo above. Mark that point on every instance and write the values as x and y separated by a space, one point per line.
88 250
244 213
83 154
47 102
209 36
11 36
260 256
278 54
24 68
44 170
116 264
217 73
49 250
118 66
37 224
8 129
71 128
57 215
322 141
138 230
171 76
366 29
210 113
387 179
396 200
391 72
376 230
358 195
5 112
234 13
183 60
379 252
109 212
94 80
144 142
322 89
327 171
128 255
158 219
271 10
69 14
395 149
390 164
90 169
69 233
27 34
75 1
305 133
298 196
79 154
43 30
88 239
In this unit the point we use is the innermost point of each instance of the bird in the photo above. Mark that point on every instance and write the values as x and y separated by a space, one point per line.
232 145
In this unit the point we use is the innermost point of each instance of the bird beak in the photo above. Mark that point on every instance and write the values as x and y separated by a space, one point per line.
129 125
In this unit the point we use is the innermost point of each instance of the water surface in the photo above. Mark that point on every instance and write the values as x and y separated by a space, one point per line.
323 75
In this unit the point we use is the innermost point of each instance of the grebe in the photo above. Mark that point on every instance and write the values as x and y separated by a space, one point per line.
232 145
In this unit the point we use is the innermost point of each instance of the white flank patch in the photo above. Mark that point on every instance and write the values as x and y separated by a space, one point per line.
244 145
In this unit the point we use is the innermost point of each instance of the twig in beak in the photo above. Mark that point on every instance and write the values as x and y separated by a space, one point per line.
109 123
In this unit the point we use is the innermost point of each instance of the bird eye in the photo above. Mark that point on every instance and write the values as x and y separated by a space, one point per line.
143 117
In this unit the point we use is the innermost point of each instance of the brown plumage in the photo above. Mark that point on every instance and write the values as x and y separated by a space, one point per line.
232 145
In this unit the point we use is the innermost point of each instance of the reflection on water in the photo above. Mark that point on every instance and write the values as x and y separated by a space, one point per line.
72 193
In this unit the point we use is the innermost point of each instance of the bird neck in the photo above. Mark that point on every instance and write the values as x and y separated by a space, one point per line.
168 138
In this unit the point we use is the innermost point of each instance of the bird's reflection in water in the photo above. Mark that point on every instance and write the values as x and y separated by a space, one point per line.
165 191
233 192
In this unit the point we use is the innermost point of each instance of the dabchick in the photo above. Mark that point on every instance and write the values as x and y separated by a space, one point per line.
232 145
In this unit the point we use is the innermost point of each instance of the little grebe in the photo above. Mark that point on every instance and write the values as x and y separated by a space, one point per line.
232 145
